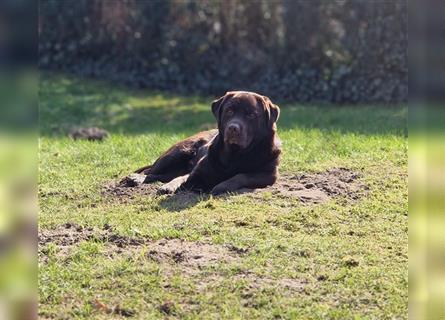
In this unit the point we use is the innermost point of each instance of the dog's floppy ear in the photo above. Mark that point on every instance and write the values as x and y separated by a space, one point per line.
272 111
217 104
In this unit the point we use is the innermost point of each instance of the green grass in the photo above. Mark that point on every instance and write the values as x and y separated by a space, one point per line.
286 239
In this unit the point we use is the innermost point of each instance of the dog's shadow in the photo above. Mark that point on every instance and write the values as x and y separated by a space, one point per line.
182 200
187 199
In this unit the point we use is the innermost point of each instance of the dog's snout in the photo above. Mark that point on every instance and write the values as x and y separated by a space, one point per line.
234 128
234 134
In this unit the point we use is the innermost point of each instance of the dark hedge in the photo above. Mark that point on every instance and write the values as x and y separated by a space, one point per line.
308 51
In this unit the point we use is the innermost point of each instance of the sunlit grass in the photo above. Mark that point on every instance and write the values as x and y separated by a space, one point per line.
373 229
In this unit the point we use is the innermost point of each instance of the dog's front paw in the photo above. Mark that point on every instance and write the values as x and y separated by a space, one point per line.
173 186
165 189
169 188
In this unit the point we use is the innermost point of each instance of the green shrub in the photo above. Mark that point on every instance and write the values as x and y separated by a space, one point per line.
332 51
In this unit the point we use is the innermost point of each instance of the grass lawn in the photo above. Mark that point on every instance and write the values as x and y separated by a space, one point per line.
341 259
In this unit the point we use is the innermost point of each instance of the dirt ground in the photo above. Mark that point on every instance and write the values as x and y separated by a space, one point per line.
195 259
190 257
307 188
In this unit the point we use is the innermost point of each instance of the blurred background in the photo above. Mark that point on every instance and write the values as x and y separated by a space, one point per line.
306 51
18 159
427 160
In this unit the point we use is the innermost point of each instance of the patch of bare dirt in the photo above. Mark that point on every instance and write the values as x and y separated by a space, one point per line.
131 186
190 258
307 188
319 187
69 234
65 235
190 255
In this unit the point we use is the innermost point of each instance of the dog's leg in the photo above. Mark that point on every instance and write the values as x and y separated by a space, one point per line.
256 180
166 177
144 170
172 164
201 179
173 185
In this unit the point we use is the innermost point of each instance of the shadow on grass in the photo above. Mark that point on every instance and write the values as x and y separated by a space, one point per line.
67 102
182 201
185 200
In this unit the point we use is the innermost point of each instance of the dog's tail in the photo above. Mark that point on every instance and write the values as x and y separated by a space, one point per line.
144 170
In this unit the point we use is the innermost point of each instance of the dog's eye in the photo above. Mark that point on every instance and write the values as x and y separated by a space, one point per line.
229 112
251 115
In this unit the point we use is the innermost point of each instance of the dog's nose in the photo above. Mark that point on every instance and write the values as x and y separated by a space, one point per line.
234 128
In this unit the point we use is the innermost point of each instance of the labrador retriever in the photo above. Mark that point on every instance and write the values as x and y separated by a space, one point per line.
242 153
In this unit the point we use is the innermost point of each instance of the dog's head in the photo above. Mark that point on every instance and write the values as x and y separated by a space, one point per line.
244 117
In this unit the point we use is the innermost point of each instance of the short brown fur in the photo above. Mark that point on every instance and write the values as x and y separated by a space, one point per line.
242 153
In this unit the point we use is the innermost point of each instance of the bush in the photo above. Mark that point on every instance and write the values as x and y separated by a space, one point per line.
309 51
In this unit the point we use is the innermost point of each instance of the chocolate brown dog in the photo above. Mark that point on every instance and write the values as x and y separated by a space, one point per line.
242 153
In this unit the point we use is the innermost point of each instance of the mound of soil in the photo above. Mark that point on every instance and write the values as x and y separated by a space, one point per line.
319 187
131 186
91 134
307 188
